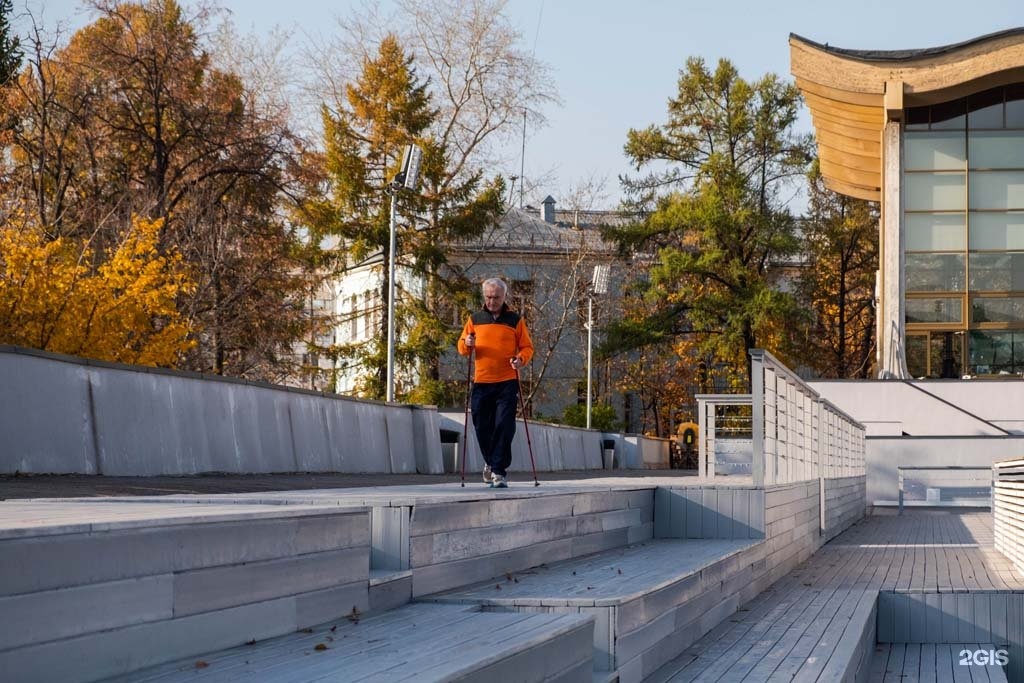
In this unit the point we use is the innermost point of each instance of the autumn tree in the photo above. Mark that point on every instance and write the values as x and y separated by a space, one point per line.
123 311
838 281
717 226
133 117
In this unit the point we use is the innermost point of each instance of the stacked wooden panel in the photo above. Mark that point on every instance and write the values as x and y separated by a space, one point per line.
148 583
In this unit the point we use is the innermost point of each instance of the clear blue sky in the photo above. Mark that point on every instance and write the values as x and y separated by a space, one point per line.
615 62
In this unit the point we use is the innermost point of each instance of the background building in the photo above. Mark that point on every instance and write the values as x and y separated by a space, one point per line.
937 136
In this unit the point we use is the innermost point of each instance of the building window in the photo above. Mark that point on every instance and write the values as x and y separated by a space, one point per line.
353 320
963 185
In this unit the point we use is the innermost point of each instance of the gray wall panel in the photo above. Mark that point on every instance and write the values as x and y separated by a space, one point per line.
45 423
63 414
427 445
401 449
309 434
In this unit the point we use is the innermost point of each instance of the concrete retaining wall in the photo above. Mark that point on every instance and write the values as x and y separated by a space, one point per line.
60 414
91 605
929 407
555 447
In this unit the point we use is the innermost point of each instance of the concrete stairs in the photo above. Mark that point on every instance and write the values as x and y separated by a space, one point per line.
585 582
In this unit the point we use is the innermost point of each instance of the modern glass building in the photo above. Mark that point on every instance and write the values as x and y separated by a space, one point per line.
936 136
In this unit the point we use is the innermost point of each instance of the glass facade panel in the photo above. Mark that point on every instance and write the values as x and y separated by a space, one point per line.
935 272
936 232
950 115
997 190
985 109
997 272
934 152
938 310
996 352
964 233
996 149
992 310
935 191
1015 106
995 231
917 355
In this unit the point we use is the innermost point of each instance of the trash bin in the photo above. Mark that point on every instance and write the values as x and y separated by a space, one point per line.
609 454
450 450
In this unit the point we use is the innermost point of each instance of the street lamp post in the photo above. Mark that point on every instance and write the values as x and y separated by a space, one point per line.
598 285
407 178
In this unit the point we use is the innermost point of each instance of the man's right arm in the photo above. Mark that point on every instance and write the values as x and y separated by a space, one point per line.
467 340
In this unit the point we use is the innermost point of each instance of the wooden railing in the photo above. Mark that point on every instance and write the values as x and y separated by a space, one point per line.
1008 510
795 434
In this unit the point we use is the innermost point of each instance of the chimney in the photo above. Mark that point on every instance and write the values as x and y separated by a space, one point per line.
549 209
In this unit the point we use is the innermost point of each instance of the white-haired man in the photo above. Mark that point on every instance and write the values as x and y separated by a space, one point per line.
502 345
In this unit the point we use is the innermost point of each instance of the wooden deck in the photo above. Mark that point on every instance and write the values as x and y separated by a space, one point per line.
792 630
914 662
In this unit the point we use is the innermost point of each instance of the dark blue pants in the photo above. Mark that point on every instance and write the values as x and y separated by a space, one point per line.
494 419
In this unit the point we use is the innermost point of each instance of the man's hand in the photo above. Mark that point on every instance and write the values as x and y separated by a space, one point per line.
515 362
470 340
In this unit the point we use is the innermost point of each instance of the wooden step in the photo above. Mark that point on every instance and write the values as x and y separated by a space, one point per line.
650 600
418 642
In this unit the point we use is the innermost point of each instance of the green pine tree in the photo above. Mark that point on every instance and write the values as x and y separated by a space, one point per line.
387 108
716 218
10 45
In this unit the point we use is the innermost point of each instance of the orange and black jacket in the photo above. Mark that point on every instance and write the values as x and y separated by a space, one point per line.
497 341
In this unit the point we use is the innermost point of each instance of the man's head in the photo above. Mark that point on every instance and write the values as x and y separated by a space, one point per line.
495 291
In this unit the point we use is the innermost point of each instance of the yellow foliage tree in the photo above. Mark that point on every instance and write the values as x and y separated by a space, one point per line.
53 298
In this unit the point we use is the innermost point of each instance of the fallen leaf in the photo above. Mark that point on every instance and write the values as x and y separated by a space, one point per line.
201 664
305 630
320 647
334 628
497 586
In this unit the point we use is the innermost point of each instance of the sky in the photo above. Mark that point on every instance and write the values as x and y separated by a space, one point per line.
615 63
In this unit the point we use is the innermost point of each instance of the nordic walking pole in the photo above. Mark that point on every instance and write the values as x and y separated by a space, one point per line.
526 426
465 421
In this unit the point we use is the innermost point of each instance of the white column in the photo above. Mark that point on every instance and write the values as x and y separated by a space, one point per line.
891 332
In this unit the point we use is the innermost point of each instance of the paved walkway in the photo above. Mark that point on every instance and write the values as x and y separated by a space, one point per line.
783 628
79 485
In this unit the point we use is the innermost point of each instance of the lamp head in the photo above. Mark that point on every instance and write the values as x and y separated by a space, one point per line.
599 281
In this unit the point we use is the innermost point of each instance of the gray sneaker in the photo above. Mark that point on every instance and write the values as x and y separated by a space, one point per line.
488 475
499 482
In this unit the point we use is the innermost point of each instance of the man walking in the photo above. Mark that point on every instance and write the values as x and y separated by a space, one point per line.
502 345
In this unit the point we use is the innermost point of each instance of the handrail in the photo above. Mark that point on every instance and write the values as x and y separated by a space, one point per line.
901 469
796 434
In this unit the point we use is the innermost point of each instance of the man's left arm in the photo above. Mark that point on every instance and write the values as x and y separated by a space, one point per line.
523 341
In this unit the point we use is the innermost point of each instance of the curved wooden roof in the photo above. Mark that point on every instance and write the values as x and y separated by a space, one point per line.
852 93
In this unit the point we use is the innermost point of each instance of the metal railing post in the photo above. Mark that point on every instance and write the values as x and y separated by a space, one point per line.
757 463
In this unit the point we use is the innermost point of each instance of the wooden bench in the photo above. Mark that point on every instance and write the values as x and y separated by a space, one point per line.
418 642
